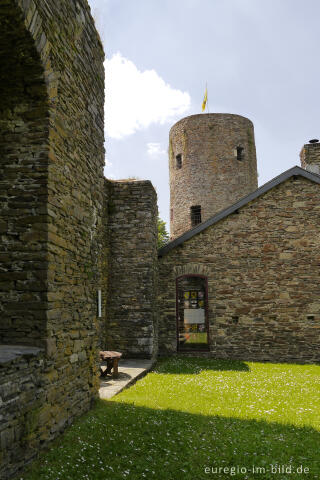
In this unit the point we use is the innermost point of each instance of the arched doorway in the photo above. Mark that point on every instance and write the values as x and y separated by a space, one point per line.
192 313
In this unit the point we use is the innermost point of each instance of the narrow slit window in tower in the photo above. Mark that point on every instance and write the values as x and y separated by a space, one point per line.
179 161
195 213
240 153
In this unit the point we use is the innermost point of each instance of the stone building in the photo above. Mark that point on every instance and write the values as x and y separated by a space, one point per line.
79 267
68 236
212 162
243 282
131 316
51 211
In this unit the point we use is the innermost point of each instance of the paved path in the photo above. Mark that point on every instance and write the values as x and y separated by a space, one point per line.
129 372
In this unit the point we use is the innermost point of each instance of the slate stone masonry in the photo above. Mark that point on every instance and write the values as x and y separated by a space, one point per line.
24 131
66 233
51 195
24 412
209 174
262 265
132 240
310 157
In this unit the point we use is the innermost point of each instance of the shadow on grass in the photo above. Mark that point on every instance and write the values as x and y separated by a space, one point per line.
192 365
119 440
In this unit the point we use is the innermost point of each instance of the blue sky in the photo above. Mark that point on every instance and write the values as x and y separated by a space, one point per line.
258 57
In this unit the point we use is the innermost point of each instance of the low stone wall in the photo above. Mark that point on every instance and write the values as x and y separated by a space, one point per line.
132 246
24 417
36 402
262 266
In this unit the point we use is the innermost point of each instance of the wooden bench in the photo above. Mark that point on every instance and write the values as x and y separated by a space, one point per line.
112 359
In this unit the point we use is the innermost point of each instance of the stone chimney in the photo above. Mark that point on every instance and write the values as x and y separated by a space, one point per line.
310 156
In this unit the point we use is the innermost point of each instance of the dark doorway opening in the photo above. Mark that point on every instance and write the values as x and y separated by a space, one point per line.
192 313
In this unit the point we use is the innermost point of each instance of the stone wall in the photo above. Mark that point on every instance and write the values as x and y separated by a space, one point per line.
211 175
31 412
24 412
75 188
132 243
24 131
262 265
51 228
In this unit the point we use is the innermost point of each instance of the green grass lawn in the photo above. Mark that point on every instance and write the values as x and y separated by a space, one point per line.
191 414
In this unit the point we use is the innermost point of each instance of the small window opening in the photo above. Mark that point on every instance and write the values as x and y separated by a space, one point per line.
240 151
179 161
235 319
195 213
310 317
258 319
171 214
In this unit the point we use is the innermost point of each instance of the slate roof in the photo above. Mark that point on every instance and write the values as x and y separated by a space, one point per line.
294 171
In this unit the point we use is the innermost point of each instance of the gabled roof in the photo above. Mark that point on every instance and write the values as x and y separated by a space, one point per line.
294 171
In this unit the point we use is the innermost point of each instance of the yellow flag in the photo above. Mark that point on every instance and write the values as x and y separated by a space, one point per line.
205 99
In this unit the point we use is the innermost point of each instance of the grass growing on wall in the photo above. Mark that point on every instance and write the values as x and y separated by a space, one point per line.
191 414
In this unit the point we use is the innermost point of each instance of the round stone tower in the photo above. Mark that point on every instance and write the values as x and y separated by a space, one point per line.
212 164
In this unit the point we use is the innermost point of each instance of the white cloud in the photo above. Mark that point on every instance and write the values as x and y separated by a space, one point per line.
154 148
135 99
109 174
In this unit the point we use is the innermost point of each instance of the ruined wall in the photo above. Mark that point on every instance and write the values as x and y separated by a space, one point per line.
51 196
210 174
24 131
24 411
75 201
262 264
132 244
